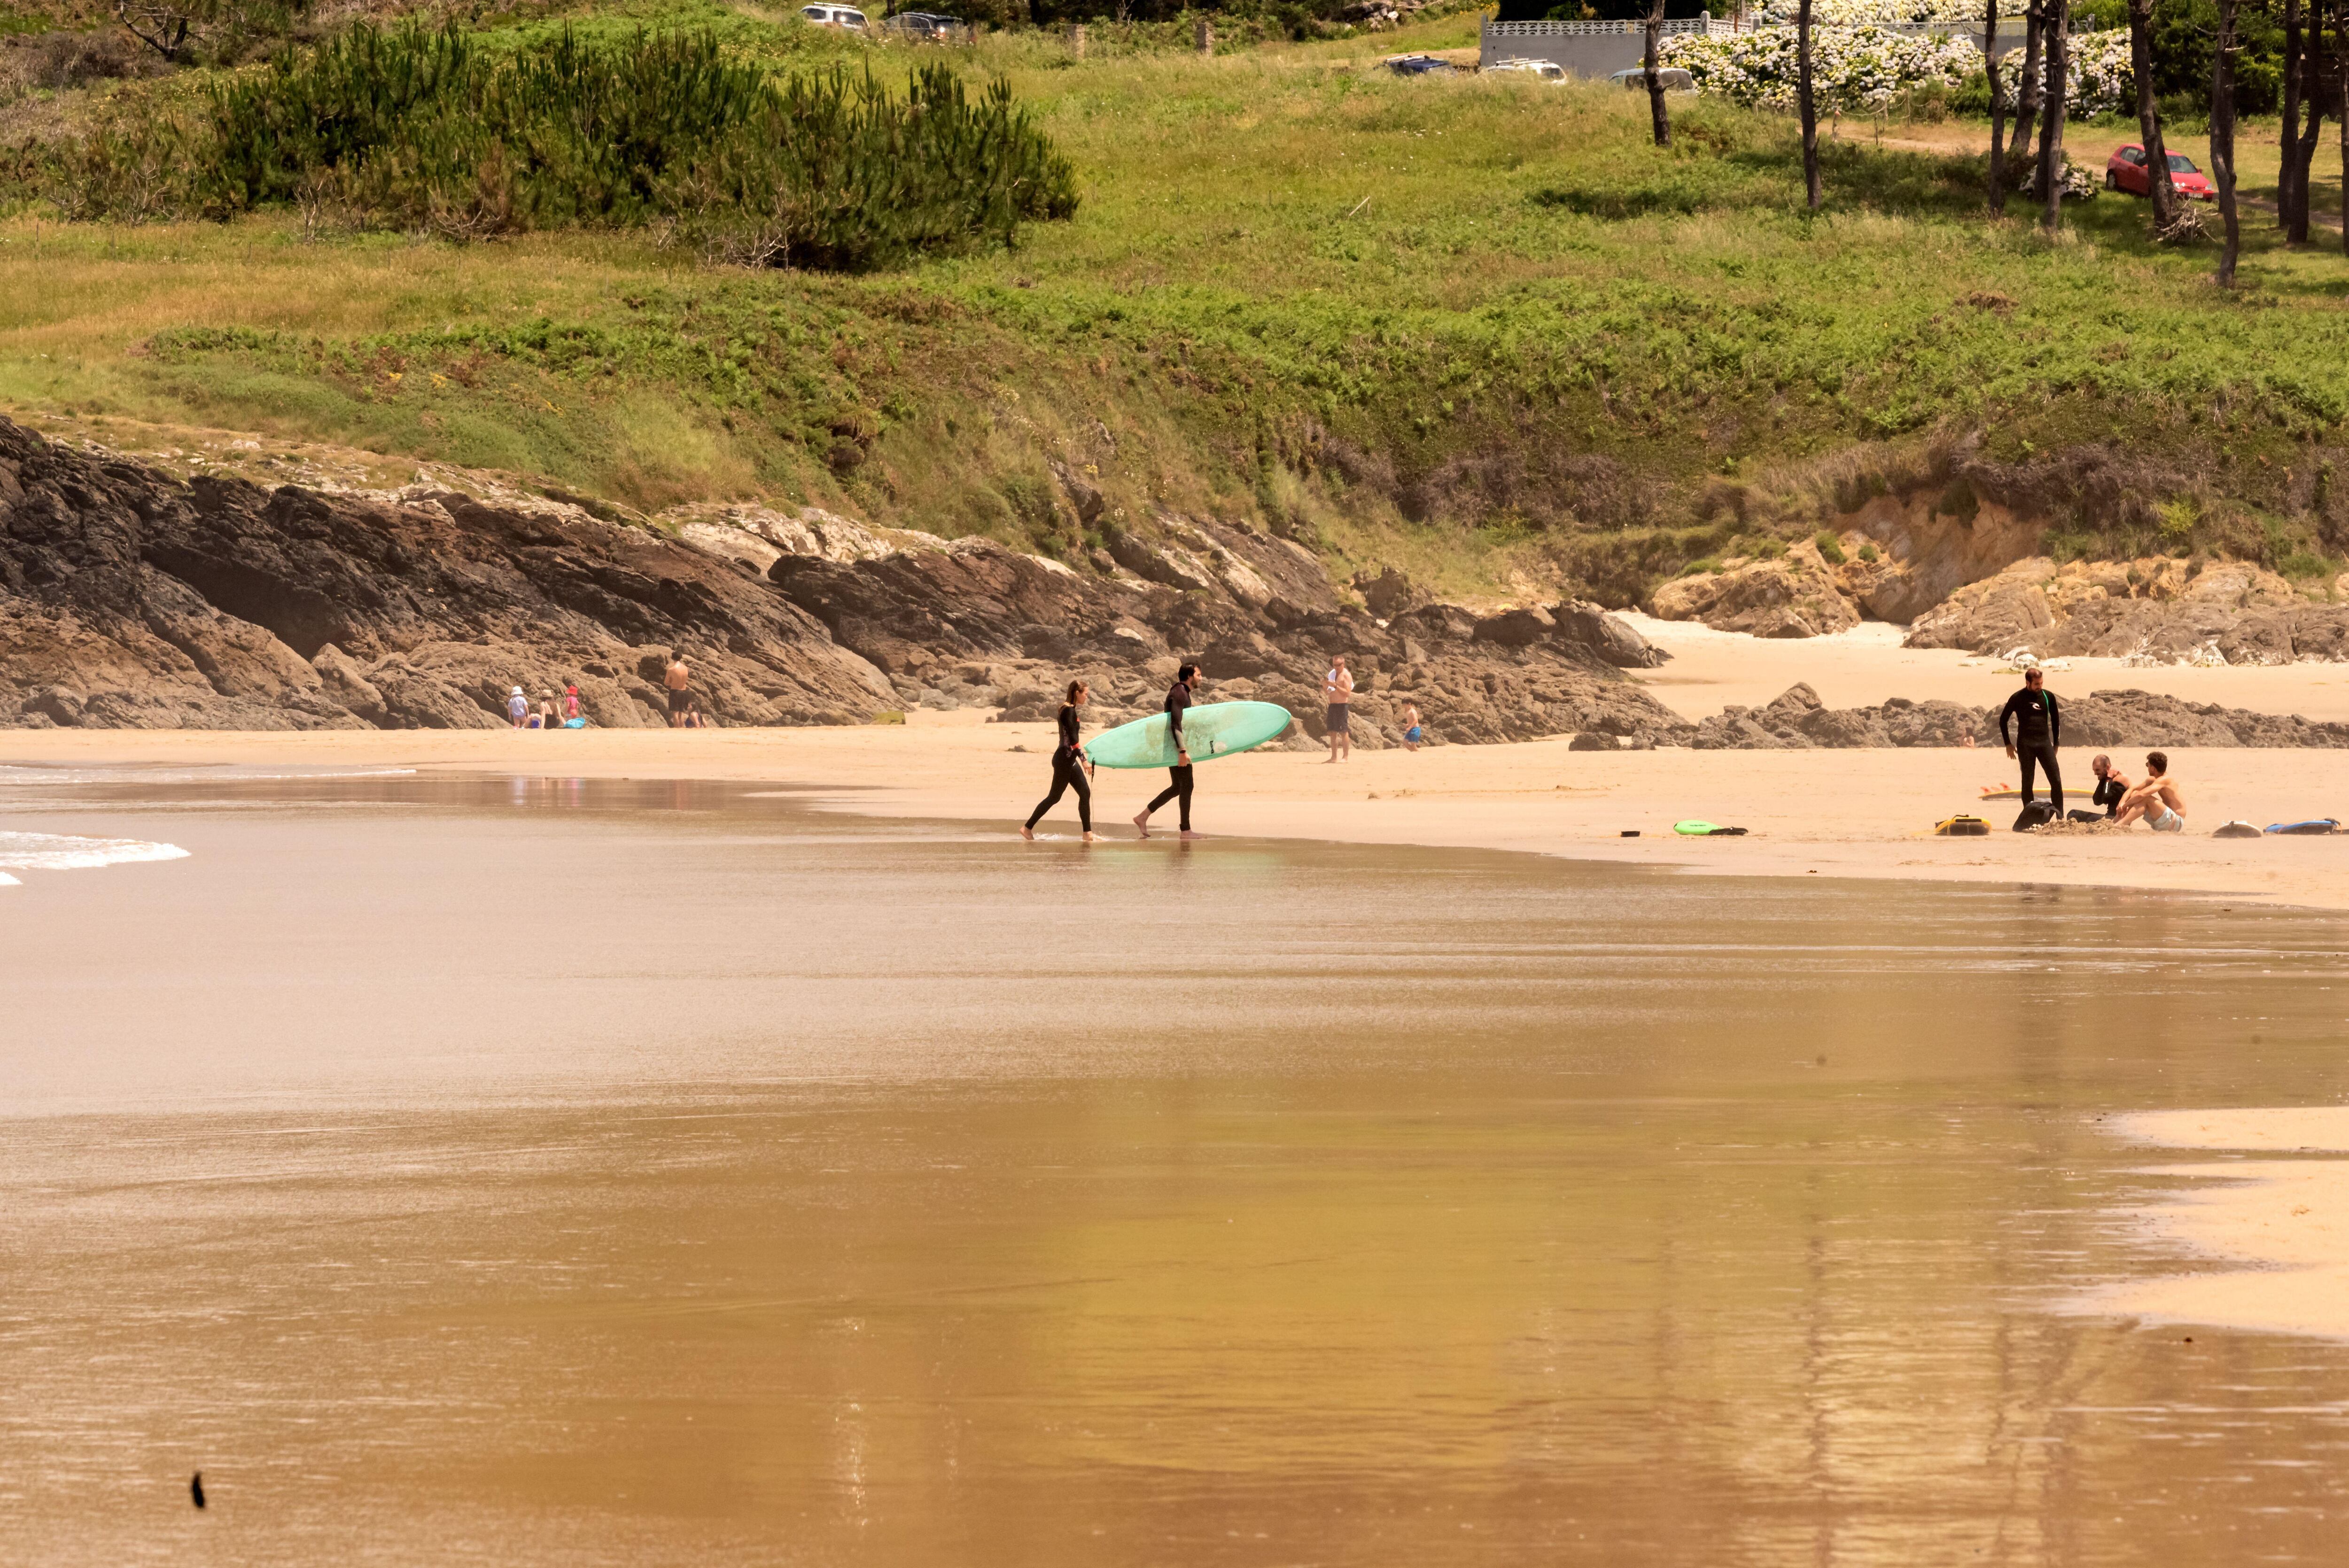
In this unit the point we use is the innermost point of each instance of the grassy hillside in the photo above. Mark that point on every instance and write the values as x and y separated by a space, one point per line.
1476 326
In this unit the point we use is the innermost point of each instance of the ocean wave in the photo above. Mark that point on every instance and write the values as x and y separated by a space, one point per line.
34 773
61 852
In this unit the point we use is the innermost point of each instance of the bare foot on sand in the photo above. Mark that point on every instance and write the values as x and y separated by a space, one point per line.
1091 838
1143 822
1187 833
1029 834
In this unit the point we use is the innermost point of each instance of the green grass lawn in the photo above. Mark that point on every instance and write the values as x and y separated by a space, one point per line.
1464 324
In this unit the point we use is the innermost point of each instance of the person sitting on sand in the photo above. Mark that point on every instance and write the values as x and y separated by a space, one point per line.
1411 731
2157 799
2112 785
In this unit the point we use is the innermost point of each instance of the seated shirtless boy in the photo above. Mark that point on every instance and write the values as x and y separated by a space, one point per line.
2157 799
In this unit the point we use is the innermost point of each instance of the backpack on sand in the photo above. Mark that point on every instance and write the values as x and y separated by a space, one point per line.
2035 814
1964 827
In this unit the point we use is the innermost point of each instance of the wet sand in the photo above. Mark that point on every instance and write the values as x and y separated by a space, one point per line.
511 1171
1864 814
2278 1226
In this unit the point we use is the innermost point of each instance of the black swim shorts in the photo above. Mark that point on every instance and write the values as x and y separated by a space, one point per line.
1337 718
679 700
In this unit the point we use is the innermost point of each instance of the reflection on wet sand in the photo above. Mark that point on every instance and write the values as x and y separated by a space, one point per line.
670 1178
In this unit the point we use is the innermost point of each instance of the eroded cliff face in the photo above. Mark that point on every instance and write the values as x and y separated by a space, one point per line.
1978 582
130 598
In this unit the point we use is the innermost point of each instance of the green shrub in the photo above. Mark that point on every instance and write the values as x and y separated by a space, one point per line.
1830 547
1868 554
2177 521
1701 564
2301 566
427 128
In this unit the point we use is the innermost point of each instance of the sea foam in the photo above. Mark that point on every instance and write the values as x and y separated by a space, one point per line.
60 852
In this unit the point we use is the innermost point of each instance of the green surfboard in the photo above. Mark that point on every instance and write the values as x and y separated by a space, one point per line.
1212 729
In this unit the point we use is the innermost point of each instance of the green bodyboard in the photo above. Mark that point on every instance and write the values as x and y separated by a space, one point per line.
1695 829
1212 729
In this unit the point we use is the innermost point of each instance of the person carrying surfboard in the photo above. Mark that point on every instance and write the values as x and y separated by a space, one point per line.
1070 767
2037 732
1178 699
1337 693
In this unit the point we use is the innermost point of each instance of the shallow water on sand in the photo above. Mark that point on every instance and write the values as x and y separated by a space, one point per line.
471 1171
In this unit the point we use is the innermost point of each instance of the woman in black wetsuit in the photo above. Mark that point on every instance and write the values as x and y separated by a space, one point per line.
1069 765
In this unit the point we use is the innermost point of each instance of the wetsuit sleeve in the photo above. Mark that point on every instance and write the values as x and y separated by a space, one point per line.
2006 717
1176 701
2055 722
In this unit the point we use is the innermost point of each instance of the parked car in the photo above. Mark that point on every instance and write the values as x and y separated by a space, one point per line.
1417 66
2126 171
847 16
922 25
1548 70
1676 78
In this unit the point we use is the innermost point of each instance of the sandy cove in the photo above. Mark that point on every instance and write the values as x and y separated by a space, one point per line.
1858 813
1833 813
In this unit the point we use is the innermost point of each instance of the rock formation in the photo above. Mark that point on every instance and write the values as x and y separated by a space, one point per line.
1794 596
1796 719
129 599
2160 609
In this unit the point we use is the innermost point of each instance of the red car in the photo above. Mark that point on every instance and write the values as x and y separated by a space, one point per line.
2126 171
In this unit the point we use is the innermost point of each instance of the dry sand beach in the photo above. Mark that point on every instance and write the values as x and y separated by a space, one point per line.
1835 813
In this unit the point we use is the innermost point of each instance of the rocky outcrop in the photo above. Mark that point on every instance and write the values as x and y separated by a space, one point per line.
128 598
2159 610
1794 596
1797 719
980 624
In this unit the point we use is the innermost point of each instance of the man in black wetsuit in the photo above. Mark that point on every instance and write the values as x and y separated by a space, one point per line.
1178 698
2038 730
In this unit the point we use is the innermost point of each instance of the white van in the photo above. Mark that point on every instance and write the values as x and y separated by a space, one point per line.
847 16
1548 70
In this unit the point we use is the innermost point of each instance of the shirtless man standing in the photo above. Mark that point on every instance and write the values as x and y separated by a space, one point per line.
679 702
1338 693
2157 799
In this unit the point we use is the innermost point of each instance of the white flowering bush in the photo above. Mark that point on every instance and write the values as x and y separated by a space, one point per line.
2096 65
1854 70
1862 13
1861 69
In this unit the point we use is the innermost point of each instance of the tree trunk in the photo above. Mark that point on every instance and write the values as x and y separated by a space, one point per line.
2300 156
1806 102
2051 140
1657 112
2222 141
2149 118
2288 133
1997 94
2026 92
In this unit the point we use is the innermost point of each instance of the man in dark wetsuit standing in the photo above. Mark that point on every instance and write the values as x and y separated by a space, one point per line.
1178 698
2038 730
